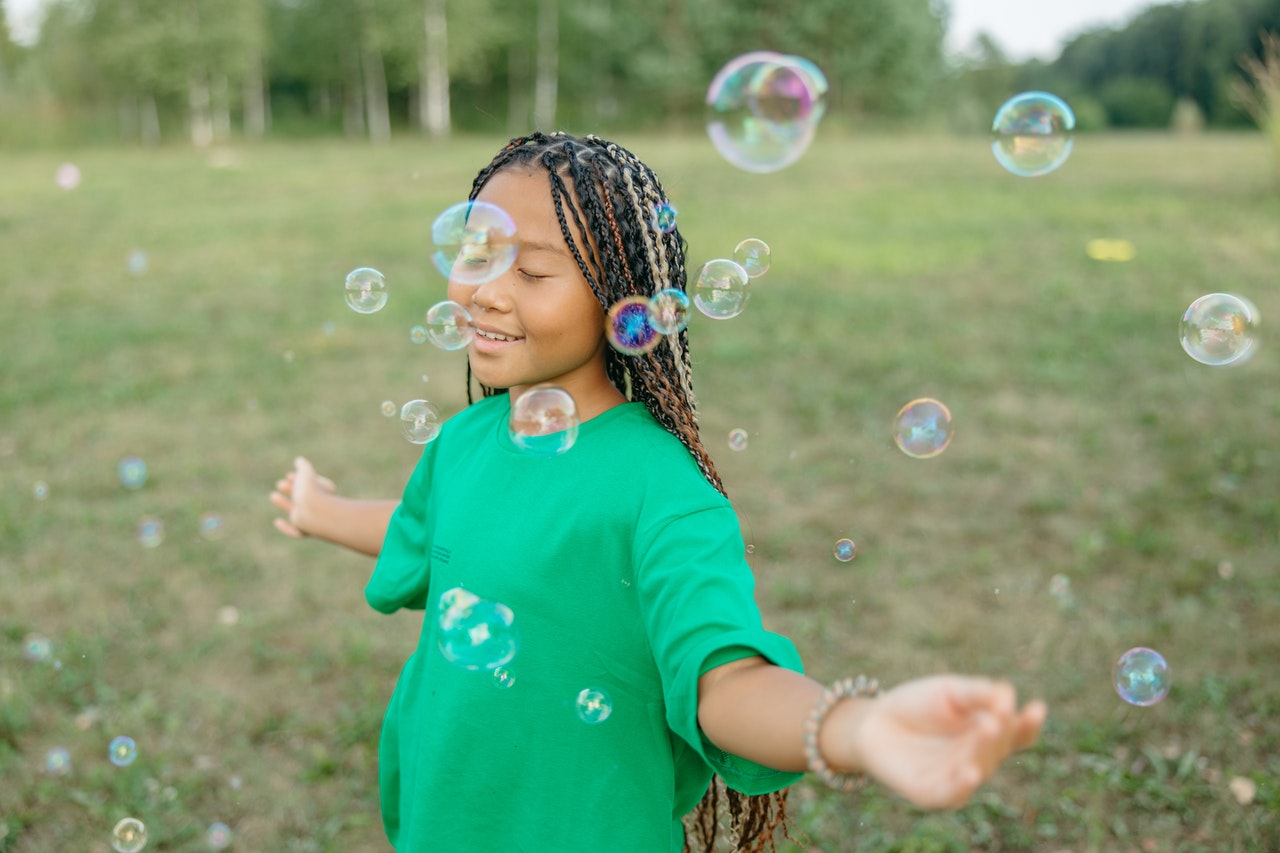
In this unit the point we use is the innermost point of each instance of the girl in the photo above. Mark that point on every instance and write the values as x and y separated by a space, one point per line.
624 568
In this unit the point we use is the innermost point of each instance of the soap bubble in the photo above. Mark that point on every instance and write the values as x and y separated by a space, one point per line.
40 490
475 242
669 311
753 256
738 439
37 648
419 421
418 334
211 525
389 408
129 836
845 550
475 633
366 290
629 328
664 217
544 421
57 761
68 176
763 109
721 291
137 262
1219 329
122 751
132 472
218 836
1142 677
150 531
449 325
1031 134
922 428
503 677
593 706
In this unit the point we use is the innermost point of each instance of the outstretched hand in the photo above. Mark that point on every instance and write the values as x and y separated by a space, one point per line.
294 494
935 740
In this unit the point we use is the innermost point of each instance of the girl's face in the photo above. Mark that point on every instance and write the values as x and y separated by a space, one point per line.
539 321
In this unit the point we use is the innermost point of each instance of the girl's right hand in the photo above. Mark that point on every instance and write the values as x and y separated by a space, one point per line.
295 495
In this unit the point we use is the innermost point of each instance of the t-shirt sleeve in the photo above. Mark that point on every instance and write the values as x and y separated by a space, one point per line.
697 593
402 572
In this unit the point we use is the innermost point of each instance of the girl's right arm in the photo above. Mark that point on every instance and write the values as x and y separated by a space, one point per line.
312 507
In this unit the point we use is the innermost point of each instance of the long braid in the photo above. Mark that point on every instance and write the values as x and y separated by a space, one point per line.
611 203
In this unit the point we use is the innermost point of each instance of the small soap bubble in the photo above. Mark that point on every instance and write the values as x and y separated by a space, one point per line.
1219 329
228 615
129 836
1031 134
544 421
366 290
150 531
475 242
418 334
57 761
419 421
449 325
720 290
664 217
329 328
1142 677
738 439
922 428
217 836
40 490
845 550
763 109
753 256
628 327
211 525
476 633
122 751
137 262
389 408
593 706
503 678
669 311
1060 589
37 648
132 472
68 176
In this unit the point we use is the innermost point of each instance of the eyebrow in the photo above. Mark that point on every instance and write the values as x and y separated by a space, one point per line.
542 246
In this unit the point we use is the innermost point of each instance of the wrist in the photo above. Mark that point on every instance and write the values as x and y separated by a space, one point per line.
830 744
837 737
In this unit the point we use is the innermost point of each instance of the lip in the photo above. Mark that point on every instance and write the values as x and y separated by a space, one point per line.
488 345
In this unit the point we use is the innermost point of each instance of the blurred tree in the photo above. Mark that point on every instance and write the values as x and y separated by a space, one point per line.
1258 92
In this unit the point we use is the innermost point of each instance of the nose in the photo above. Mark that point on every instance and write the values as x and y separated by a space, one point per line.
492 295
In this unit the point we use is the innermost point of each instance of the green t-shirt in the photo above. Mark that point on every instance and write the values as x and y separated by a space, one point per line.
625 572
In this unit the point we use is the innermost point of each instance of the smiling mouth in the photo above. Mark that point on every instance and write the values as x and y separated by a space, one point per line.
494 336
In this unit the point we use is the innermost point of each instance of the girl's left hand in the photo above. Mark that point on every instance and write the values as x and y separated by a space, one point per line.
935 740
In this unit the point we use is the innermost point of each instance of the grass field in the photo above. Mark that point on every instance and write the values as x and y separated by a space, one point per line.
251 673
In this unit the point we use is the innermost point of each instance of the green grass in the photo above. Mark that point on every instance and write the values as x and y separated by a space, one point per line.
1087 444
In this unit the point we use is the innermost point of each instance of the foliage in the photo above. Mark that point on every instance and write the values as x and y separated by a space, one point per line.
1259 94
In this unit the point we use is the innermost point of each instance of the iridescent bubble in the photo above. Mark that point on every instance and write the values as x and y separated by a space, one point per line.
40 490
544 421
419 421
763 109
57 761
132 472
366 290
68 176
669 311
628 327
449 325
476 633
37 648
503 678
593 705
721 291
1031 134
418 334
1219 329
664 217
129 836
122 751
217 836
389 408
753 256
1142 677
922 428
738 439
475 242
150 531
211 525
845 550
137 262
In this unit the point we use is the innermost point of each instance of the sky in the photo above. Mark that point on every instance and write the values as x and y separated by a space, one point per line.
1023 28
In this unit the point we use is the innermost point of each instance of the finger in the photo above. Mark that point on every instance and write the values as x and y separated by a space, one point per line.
968 694
282 502
326 484
1028 724
303 467
285 485
287 529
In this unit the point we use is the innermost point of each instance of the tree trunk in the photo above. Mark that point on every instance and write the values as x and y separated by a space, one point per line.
352 100
127 111
377 110
221 108
198 101
255 101
517 90
544 91
149 120
433 71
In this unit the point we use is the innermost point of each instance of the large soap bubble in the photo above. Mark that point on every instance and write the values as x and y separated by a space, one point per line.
763 108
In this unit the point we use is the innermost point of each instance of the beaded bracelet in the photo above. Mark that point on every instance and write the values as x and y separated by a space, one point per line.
842 689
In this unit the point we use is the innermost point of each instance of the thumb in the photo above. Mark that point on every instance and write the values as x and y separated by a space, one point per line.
303 467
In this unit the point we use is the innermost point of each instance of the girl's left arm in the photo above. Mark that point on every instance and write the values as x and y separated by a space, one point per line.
933 740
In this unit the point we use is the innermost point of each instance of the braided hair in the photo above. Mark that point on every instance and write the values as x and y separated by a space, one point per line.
610 196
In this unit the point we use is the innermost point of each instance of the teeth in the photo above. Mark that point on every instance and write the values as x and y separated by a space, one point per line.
495 337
